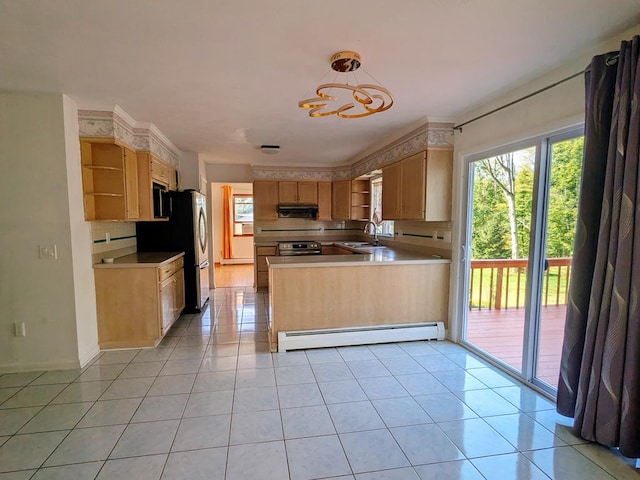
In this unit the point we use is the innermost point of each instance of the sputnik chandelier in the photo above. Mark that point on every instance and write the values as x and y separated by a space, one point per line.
367 98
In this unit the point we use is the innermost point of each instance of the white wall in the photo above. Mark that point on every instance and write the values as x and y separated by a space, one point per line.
217 172
36 211
189 171
242 246
557 108
81 244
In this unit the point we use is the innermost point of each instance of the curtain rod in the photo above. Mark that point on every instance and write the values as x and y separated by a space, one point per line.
548 87
610 59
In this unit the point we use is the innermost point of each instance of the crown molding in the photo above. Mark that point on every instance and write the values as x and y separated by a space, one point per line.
428 135
117 123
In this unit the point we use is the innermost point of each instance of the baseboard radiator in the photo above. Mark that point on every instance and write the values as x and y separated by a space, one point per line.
338 337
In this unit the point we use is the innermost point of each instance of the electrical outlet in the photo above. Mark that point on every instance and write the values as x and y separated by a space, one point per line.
48 252
107 237
19 329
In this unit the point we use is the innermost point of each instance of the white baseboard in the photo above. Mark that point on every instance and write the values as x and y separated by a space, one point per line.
90 355
39 367
235 261
337 337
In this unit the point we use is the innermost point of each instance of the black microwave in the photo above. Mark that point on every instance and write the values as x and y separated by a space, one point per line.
161 201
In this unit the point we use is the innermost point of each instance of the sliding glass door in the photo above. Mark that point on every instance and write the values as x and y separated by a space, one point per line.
521 215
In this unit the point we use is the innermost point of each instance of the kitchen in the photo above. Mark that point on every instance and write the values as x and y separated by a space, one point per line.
56 297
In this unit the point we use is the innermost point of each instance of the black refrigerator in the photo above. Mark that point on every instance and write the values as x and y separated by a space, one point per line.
186 231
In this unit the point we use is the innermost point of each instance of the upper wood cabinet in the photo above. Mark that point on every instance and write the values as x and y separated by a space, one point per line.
324 201
109 180
341 200
265 200
162 173
298 192
360 199
418 187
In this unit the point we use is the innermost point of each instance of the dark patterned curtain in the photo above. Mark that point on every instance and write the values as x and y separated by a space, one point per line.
600 370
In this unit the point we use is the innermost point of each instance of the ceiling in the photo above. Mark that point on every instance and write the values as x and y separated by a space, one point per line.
222 77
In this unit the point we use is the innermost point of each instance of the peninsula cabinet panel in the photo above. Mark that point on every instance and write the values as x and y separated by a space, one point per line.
324 201
265 200
341 200
261 267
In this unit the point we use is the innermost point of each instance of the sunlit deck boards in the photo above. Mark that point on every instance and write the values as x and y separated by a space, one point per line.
500 333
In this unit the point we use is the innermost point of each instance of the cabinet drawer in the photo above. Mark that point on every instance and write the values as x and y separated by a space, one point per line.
266 251
167 270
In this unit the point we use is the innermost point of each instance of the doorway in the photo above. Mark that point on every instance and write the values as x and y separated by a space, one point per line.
520 228
232 225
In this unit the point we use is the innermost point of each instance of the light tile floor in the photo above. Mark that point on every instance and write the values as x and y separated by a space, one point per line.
211 402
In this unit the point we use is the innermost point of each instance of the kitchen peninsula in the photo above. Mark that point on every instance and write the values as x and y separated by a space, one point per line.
381 286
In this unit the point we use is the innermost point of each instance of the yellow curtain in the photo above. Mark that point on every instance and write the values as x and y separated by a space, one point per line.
227 223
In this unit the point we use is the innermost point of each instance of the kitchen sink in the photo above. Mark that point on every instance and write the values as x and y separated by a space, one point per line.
361 245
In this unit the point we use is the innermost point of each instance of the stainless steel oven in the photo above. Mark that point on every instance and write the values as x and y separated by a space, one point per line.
299 247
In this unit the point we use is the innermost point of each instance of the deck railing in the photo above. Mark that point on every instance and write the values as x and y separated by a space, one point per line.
498 284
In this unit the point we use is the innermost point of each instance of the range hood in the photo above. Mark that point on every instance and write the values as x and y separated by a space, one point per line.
296 210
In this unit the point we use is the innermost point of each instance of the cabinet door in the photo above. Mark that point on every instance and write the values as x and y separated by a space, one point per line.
167 302
132 205
287 192
391 195
159 171
324 201
308 192
438 185
179 293
265 199
341 200
413 187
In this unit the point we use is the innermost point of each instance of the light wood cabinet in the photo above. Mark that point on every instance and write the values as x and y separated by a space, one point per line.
391 188
305 192
341 200
261 267
161 172
136 306
109 180
419 187
152 170
171 299
360 199
265 200
324 201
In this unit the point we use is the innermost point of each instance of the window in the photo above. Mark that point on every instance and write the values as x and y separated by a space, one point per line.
383 227
242 215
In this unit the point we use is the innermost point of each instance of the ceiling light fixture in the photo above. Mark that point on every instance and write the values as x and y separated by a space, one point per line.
270 149
369 98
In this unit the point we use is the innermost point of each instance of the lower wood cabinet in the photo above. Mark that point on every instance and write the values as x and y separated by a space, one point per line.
261 267
138 304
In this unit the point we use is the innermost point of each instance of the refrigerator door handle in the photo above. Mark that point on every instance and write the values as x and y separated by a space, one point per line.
204 264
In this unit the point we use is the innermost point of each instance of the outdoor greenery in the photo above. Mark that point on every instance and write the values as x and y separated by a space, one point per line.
502 202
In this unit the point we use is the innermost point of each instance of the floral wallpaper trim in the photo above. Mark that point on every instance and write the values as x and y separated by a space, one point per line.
429 135
117 124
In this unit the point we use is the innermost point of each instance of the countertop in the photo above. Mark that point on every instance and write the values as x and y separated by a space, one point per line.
367 255
142 259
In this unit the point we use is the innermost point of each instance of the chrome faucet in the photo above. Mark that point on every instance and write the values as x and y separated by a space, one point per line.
376 241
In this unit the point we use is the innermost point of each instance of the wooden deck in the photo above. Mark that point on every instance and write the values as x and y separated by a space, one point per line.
500 333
